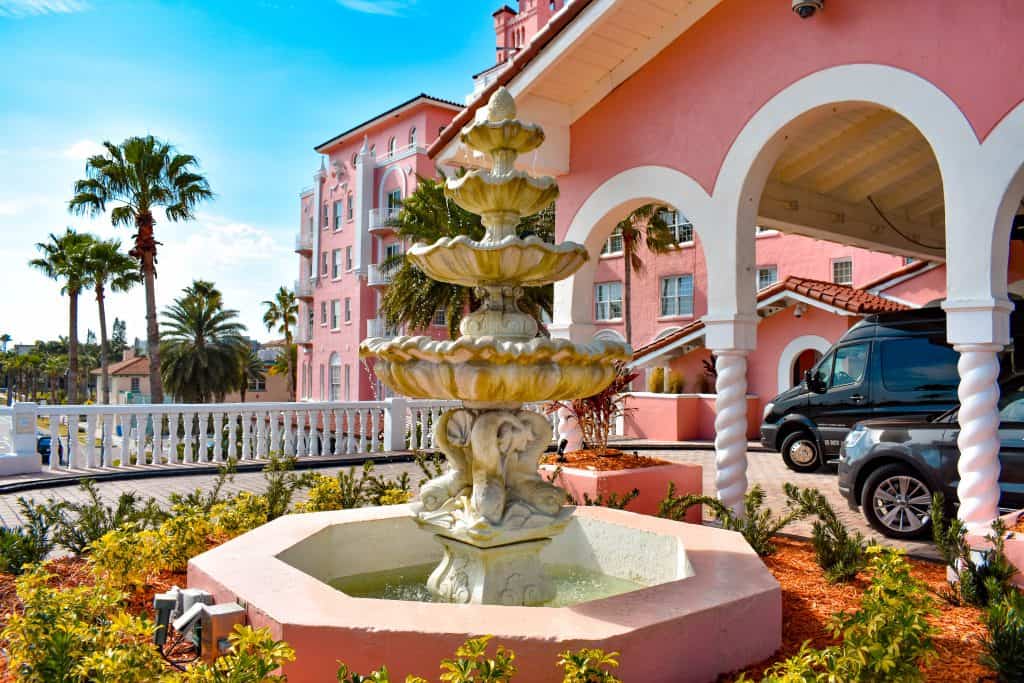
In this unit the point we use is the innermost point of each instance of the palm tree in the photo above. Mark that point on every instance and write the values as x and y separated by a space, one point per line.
426 216
647 226
286 363
64 260
138 176
201 348
283 313
5 339
54 367
108 266
251 369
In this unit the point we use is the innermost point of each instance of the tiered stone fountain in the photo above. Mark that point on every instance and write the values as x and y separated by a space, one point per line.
681 602
492 512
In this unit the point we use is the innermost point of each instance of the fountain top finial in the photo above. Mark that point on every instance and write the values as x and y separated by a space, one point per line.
501 106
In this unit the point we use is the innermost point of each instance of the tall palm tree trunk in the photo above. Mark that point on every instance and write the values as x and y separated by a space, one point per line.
104 343
627 289
145 249
292 371
73 347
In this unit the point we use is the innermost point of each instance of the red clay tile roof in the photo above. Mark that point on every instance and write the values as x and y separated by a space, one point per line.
516 64
849 299
908 269
132 366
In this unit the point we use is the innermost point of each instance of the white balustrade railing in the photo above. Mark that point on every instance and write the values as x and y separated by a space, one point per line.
377 276
384 218
304 241
304 288
94 437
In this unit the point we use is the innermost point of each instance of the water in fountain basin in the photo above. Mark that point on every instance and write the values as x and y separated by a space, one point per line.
573 584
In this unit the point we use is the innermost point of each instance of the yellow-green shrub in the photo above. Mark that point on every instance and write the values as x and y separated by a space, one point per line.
676 385
182 537
656 380
324 495
243 513
78 634
394 496
126 557
253 657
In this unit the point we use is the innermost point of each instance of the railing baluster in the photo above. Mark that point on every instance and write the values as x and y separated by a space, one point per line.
362 430
313 441
158 437
90 441
274 447
375 423
107 447
245 429
55 447
172 438
232 445
73 446
124 421
421 420
186 419
339 447
218 437
288 440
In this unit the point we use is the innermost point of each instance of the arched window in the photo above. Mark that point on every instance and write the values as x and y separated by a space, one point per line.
335 394
412 136
354 158
392 147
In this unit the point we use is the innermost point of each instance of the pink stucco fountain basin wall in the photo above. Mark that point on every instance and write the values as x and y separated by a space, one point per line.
709 604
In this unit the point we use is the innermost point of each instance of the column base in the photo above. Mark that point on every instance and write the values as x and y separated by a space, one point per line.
509 575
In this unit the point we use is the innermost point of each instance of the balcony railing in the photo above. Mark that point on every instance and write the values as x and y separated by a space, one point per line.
384 219
97 438
376 327
376 276
303 336
303 242
303 288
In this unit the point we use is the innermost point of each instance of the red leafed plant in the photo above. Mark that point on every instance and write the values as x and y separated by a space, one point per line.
596 414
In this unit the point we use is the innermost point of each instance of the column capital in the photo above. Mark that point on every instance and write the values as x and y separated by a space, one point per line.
983 321
732 334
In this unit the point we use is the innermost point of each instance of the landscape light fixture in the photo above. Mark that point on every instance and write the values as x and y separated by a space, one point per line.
805 9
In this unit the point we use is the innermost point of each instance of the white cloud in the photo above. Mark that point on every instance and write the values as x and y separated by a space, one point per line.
17 9
82 150
390 7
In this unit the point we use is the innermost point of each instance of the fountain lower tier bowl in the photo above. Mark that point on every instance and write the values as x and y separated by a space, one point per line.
489 370
529 262
680 602
483 192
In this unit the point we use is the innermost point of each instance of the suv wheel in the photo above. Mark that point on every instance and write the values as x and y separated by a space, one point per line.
800 452
896 501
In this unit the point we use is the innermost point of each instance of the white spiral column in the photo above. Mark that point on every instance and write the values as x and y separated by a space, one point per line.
978 441
731 428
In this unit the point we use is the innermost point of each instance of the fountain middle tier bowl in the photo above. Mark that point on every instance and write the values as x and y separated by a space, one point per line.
530 262
489 370
489 136
483 192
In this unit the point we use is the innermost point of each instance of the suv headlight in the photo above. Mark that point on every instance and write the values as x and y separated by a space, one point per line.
855 436
767 411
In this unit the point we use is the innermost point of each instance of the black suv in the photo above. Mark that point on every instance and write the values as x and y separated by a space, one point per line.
894 364
890 468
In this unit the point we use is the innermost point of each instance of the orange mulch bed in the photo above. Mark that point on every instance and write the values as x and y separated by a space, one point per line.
808 601
608 460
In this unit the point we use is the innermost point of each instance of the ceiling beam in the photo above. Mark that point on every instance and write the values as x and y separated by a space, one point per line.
852 136
866 157
880 179
793 209
907 192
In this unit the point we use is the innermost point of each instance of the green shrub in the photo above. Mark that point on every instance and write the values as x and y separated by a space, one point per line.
253 657
656 380
182 537
588 666
126 558
282 483
841 554
243 513
432 465
79 634
1004 640
757 525
350 489
77 525
887 639
978 582
204 502
28 544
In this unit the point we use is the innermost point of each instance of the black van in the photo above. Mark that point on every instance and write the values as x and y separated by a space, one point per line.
887 365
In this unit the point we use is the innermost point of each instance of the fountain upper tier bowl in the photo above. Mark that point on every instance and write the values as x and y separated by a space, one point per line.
490 370
505 133
529 262
515 192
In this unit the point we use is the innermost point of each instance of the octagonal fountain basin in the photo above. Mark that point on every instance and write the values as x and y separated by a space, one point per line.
680 602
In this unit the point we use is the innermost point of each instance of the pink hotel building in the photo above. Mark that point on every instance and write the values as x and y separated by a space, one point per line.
368 170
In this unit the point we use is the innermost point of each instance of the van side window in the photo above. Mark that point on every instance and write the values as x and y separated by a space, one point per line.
823 370
851 364
918 364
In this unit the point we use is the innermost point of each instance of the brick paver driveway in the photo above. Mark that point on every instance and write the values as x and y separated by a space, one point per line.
765 469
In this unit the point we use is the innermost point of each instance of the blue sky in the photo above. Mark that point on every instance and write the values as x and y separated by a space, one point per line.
248 87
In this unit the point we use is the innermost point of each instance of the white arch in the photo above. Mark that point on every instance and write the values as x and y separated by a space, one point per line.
609 335
594 221
381 194
793 350
750 159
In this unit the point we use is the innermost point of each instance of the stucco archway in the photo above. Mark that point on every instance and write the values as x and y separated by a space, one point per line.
792 351
402 184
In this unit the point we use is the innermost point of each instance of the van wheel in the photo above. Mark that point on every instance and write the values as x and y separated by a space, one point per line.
800 452
896 501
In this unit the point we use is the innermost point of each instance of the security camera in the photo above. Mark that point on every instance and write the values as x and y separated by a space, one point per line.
806 8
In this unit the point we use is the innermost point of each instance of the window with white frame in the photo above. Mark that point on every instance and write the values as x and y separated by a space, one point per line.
680 225
339 206
323 312
348 257
392 147
677 295
412 136
608 301
348 309
350 209
392 250
324 216
842 271
439 319
136 385
335 363
322 395
257 384
614 243
336 263
323 263
394 200
767 276
335 313
348 382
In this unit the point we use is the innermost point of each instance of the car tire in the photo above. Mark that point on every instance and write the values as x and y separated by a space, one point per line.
800 452
896 501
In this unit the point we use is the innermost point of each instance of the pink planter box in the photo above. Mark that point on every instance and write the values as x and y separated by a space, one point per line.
652 482
680 417
1014 547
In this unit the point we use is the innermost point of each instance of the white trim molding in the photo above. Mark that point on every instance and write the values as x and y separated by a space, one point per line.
792 351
